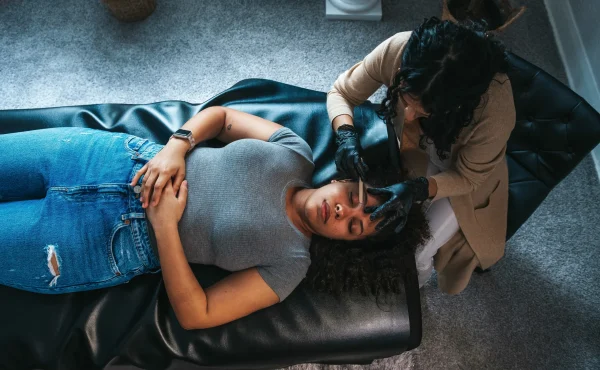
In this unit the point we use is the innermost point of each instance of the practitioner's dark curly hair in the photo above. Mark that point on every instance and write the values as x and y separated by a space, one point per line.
374 266
448 68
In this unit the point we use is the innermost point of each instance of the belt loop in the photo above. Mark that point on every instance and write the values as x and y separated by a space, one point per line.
138 143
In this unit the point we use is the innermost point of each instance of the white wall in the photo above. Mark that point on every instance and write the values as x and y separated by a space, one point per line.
577 32
586 14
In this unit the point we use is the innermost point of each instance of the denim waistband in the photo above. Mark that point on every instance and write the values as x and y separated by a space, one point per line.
142 150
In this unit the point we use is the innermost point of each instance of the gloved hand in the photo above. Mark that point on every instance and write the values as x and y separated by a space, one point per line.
401 198
348 157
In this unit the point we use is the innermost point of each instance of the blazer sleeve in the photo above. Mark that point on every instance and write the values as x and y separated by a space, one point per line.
355 85
486 146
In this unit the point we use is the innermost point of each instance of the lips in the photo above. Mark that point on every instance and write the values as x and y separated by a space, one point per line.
325 212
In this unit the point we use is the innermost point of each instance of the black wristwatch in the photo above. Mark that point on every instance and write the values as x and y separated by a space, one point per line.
184 135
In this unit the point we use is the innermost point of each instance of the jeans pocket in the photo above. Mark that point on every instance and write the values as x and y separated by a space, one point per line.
123 252
94 244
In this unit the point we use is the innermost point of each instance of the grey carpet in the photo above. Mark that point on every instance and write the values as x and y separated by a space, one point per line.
537 309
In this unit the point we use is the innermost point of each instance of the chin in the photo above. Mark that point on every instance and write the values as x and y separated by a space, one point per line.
310 217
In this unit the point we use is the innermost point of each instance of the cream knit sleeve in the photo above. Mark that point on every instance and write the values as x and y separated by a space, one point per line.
355 85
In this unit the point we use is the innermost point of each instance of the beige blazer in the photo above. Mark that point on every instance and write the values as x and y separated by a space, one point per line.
477 180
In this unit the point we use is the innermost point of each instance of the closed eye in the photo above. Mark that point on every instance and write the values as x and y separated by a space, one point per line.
356 224
353 201
352 221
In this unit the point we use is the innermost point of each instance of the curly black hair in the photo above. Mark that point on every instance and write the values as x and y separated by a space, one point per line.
448 67
374 266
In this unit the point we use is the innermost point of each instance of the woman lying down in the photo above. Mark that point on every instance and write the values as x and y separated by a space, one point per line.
74 205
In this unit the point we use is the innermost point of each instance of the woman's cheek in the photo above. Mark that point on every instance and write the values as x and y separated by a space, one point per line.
336 232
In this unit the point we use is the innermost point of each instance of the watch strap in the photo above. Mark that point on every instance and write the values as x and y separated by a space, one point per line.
185 135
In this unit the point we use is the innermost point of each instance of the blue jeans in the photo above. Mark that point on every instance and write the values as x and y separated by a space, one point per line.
69 220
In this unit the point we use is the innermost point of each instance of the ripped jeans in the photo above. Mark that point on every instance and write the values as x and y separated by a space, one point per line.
69 220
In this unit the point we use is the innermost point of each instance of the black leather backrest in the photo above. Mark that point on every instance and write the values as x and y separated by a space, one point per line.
555 129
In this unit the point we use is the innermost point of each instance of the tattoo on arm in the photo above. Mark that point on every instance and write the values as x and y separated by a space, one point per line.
229 127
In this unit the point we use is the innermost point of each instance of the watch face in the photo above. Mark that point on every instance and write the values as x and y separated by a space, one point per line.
181 132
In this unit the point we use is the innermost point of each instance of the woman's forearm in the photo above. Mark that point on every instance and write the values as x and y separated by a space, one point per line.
185 293
342 119
205 125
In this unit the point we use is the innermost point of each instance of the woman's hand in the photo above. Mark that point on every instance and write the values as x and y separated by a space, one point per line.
167 165
348 157
169 211
401 197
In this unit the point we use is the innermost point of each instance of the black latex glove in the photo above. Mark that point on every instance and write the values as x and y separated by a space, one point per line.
401 198
348 157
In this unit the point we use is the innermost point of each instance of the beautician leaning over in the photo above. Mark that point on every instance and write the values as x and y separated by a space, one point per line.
452 108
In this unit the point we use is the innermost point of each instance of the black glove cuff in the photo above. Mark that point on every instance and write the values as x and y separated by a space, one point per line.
346 133
421 185
346 127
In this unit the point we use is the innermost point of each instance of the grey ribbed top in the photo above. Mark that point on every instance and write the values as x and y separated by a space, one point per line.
235 215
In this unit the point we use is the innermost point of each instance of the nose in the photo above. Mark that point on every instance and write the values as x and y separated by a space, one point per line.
410 114
339 211
345 211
